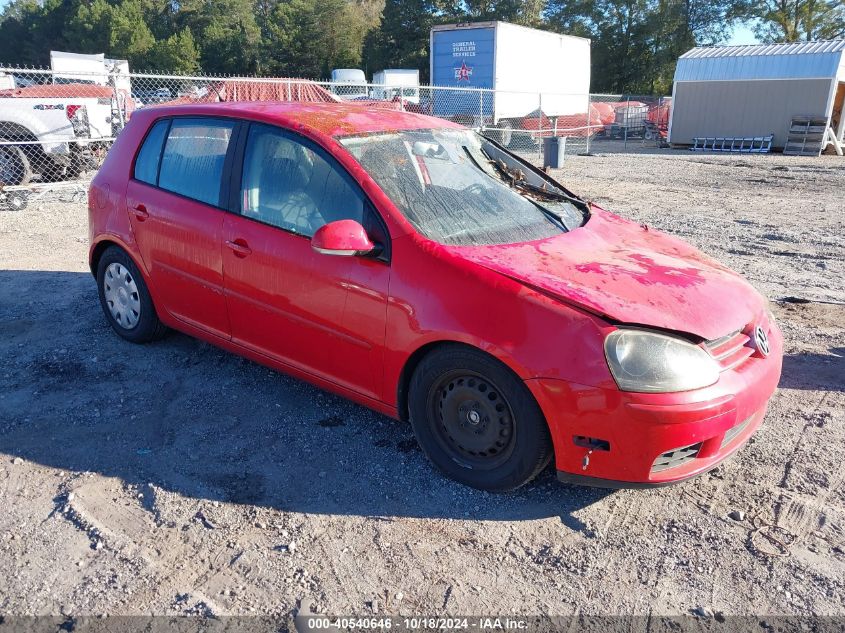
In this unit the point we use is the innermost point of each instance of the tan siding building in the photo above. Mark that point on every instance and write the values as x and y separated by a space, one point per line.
741 91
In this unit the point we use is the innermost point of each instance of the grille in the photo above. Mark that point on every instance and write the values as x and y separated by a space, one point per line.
675 458
731 350
731 433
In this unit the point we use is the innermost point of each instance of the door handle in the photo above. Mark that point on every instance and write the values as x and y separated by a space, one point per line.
140 212
239 247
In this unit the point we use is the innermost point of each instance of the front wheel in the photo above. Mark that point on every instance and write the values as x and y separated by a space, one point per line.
477 421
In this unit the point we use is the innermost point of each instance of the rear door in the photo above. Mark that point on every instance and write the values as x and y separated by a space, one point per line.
319 313
174 204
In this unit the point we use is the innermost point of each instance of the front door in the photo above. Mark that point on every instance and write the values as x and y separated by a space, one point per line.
320 313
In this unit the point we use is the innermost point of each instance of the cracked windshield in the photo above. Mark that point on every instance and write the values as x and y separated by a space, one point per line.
458 188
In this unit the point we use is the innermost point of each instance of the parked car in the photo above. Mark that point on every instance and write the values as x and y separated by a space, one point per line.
419 269
152 97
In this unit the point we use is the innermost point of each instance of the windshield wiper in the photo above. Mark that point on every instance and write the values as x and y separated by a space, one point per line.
517 179
554 217
555 195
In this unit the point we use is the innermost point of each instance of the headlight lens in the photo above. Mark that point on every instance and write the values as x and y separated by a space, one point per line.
657 363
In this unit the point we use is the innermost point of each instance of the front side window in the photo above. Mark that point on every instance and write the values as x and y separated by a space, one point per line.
192 163
146 165
289 185
457 188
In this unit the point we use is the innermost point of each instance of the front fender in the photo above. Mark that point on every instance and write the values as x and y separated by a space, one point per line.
436 296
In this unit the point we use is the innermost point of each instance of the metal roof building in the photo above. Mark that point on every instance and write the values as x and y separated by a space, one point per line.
740 91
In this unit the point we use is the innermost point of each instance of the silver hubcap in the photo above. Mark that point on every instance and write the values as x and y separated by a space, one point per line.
122 297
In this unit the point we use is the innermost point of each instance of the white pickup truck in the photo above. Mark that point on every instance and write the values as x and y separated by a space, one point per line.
52 131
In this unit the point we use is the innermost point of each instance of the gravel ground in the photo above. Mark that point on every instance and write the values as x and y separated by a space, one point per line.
176 478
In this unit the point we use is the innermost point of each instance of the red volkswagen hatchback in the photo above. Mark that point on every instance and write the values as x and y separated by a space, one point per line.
418 268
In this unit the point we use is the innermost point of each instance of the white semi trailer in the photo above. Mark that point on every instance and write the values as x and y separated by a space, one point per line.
533 73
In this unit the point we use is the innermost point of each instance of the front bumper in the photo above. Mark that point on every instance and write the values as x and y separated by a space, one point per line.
611 438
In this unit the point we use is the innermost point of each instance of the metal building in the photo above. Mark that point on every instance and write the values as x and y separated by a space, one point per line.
742 91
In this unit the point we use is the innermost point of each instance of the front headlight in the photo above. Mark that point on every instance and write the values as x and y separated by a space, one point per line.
657 363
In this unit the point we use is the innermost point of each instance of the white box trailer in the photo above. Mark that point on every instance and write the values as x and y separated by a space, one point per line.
389 83
528 69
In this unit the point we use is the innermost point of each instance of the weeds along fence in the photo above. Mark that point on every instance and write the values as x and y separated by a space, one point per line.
56 128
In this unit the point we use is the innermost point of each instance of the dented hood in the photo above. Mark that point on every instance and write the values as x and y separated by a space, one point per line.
630 274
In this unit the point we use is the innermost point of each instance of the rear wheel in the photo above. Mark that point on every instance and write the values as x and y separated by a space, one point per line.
124 297
15 168
477 421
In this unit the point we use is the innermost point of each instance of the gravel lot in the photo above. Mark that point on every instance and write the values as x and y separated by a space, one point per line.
177 478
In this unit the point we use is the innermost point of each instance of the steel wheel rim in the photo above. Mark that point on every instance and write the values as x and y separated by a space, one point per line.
121 295
473 422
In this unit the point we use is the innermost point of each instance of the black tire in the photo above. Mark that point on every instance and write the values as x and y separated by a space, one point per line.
15 168
490 435
147 326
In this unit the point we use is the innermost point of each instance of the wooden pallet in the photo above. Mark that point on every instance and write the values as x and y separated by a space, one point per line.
806 136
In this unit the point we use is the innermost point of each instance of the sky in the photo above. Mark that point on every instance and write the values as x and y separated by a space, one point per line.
742 35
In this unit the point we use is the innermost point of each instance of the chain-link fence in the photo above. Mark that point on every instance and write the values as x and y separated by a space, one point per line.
55 128
629 122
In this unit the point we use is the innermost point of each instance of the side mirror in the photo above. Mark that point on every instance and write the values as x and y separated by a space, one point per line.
343 237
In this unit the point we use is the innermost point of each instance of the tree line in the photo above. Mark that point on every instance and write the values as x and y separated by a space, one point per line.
635 42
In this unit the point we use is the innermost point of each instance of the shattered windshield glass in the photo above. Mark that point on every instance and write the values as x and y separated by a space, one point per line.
457 188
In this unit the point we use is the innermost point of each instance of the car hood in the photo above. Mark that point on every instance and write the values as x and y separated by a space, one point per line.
628 273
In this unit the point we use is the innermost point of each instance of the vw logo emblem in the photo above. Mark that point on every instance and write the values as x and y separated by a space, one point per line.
761 341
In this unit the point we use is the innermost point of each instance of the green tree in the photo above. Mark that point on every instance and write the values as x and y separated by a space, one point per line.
524 12
31 29
623 39
307 38
89 28
226 32
679 25
129 36
636 43
796 20
402 39
575 17
177 54
361 17
17 24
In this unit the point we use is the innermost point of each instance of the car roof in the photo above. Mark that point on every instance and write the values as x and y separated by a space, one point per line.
329 119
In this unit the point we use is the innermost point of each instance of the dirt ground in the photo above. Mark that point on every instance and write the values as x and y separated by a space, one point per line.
177 478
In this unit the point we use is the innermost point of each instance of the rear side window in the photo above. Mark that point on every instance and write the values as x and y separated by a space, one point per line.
192 162
146 165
